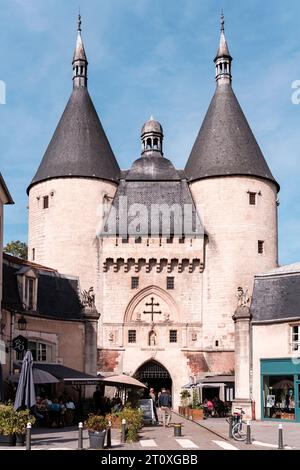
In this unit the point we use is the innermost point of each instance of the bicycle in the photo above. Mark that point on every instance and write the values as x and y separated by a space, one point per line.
237 425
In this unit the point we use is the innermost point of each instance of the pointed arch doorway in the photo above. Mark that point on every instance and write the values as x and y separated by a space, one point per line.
154 375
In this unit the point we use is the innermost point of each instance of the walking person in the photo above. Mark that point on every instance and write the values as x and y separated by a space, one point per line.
153 398
165 404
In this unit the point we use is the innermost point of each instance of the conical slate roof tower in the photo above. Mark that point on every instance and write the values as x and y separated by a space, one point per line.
225 144
79 146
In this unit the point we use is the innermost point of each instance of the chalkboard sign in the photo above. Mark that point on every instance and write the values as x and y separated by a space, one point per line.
146 405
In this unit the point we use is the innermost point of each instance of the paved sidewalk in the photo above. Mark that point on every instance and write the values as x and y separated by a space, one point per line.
211 434
262 432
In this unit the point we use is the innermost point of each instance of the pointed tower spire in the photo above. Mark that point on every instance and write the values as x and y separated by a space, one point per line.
80 62
223 58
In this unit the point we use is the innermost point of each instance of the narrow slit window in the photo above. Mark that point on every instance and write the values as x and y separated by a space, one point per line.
134 283
173 336
252 199
260 247
45 202
170 282
132 336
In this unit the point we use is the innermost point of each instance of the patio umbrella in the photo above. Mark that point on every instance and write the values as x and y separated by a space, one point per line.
125 381
25 395
284 384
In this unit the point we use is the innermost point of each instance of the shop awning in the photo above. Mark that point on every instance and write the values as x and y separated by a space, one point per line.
67 375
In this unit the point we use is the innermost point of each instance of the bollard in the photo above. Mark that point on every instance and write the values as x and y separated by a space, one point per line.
108 438
80 436
280 438
248 439
230 421
177 429
28 436
123 431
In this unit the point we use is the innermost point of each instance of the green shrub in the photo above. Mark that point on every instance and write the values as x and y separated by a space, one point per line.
134 420
12 421
96 423
22 417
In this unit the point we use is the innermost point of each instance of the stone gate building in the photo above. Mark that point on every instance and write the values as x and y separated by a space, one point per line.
165 296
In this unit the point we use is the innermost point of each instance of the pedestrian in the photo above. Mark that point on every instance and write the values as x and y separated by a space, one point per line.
165 404
210 407
153 398
97 397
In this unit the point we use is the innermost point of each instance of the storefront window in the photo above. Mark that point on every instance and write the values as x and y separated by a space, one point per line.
41 352
279 396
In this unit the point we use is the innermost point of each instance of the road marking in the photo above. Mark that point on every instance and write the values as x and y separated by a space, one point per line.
266 444
225 445
148 443
187 443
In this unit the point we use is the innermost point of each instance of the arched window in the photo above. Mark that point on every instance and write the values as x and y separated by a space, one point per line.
149 143
155 143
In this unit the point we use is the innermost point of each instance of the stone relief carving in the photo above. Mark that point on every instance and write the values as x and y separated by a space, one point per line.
194 336
88 298
111 336
243 300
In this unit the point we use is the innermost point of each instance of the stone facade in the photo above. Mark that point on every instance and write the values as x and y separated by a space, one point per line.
233 227
64 235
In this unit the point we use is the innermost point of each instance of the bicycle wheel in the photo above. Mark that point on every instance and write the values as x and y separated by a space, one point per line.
237 432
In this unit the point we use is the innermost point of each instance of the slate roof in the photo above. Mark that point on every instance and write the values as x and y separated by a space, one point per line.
6 191
154 180
58 296
79 146
225 144
276 294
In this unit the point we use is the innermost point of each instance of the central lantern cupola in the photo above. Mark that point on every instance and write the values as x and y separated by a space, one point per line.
152 138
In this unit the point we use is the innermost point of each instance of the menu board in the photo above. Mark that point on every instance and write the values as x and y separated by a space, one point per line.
146 405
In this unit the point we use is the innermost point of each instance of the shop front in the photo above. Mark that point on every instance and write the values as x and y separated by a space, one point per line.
280 389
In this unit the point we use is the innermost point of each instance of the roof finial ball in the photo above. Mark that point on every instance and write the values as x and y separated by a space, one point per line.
152 138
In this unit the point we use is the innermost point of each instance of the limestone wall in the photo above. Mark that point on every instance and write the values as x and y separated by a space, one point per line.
233 227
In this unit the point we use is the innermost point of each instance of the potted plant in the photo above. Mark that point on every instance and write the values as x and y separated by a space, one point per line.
7 425
96 426
196 411
22 417
184 397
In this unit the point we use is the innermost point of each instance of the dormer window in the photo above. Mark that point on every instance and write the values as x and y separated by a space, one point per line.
29 292
27 285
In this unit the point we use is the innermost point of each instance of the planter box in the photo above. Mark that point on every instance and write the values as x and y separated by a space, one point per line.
97 439
197 414
6 441
20 440
187 412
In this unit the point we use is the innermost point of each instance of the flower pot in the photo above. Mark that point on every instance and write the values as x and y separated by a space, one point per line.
7 440
197 414
20 440
97 439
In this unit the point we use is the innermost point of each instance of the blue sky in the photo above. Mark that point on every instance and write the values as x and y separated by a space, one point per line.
150 57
